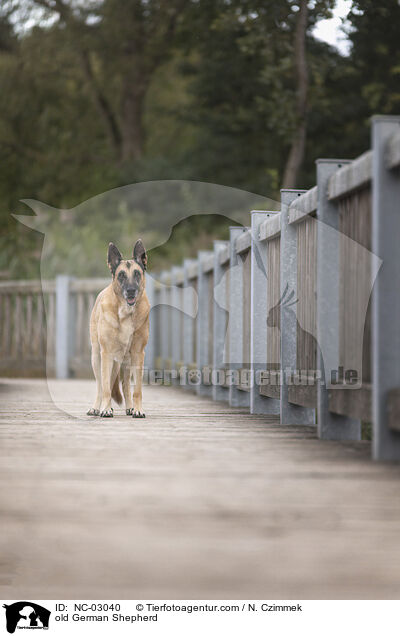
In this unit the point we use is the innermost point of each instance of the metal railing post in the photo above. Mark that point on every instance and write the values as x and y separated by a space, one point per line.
164 319
385 294
63 327
290 413
150 353
235 329
188 323
203 327
330 425
259 311
176 309
219 392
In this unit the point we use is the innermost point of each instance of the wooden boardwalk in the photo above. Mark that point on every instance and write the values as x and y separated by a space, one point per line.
196 501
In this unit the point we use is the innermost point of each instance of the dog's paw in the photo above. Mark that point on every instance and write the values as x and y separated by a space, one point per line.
129 411
93 412
107 413
138 414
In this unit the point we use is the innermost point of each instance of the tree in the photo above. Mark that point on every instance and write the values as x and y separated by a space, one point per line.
96 94
253 89
375 54
296 153
121 44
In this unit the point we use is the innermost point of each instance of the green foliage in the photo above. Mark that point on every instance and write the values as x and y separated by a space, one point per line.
216 104
366 431
376 54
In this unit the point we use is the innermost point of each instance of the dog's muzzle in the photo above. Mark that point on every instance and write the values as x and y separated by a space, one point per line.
130 297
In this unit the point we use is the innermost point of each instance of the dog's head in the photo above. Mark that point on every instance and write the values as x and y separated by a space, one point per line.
128 275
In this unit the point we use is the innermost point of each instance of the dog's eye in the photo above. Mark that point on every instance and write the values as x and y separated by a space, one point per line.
121 276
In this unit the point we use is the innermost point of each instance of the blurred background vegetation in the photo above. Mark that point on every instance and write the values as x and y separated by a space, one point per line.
96 94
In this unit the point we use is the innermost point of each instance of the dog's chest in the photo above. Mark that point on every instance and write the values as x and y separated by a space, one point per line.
126 326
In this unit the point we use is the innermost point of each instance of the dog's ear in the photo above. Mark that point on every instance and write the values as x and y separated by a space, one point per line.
139 254
114 258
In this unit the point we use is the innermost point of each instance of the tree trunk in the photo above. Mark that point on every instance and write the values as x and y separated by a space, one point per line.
296 154
132 123
102 104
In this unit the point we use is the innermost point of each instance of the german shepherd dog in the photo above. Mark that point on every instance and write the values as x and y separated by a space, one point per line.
119 330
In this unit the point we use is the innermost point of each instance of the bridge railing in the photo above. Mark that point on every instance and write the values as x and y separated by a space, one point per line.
286 321
23 335
44 327
279 319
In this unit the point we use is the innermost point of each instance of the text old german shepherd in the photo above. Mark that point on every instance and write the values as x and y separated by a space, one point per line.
119 330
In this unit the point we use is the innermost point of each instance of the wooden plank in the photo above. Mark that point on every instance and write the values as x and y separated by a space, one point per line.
270 228
208 263
17 327
355 223
303 206
393 152
41 327
179 276
355 403
181 329
246 307
26 368
90 302
2 302
351 177
195 325
224 255
184 492
193 270
206 374
393 405
270 390
243 241
26 286
38 349
228 317
273 295
91 299
28 341
303 395
210 304
306 294
244 384
6 325
80 316
93 285
51 326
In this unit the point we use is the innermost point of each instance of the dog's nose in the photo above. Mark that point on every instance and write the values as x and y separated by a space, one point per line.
131 292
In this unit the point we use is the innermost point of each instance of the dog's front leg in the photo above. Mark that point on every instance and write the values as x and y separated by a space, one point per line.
126 388
107 363
96 364
138 361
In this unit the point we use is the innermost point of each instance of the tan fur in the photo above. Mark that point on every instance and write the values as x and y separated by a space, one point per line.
116 393
119 334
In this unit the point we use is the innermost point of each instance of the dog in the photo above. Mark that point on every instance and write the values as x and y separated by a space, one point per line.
119 330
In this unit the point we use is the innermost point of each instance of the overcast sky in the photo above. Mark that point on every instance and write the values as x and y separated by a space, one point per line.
330 30
326 30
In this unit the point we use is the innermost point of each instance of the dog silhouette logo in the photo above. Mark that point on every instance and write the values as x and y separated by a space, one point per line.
26 615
